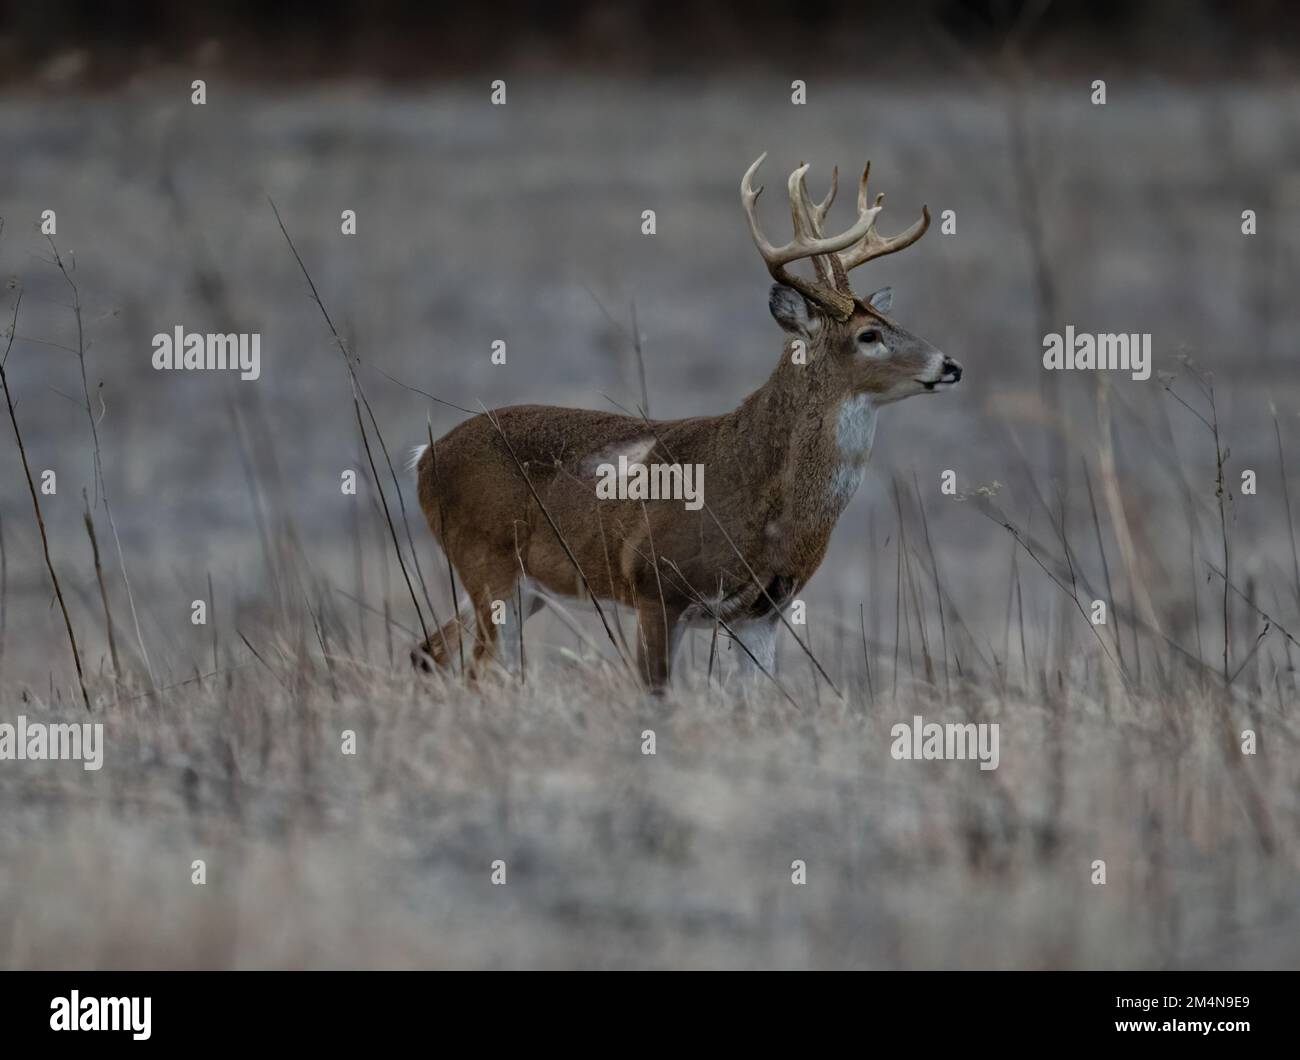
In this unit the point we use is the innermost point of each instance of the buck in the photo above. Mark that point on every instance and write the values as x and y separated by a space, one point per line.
511 494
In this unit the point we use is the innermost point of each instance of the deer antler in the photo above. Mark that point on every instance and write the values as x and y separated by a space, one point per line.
833 256
830 272
808 241
873 244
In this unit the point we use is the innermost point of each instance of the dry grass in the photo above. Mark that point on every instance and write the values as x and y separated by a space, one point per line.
317 859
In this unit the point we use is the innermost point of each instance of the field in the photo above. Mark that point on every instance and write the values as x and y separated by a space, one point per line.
1120 742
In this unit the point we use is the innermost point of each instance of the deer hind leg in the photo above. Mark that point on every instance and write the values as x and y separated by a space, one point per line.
445 644
490 585
491 595
526 602
487 605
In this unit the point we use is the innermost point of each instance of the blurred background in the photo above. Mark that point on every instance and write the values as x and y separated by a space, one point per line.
522 223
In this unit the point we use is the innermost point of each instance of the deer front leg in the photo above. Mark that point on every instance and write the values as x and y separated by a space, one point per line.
755 648
657 636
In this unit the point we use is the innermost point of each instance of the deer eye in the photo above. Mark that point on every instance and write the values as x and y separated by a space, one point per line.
869 337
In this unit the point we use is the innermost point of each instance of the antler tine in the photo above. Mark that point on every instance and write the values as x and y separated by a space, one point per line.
820 210
872 244
801 205
862 186
808 217
807 241
839 276
748 197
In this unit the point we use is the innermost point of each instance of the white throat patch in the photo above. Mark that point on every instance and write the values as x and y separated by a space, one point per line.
855 428
855 431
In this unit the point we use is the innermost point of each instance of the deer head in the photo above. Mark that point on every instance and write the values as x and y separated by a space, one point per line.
850 341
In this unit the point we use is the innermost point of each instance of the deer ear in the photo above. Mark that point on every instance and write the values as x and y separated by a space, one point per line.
791 310
882 299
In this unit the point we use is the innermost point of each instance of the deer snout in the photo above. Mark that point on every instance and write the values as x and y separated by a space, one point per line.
946 373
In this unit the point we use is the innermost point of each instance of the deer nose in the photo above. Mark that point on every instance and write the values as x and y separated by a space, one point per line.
951 368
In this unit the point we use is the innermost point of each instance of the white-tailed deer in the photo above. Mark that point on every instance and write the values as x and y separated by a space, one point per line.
513 493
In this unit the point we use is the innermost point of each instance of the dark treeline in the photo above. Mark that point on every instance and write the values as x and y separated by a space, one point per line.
105 41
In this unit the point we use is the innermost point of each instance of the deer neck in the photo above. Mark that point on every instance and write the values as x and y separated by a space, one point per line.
808 442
